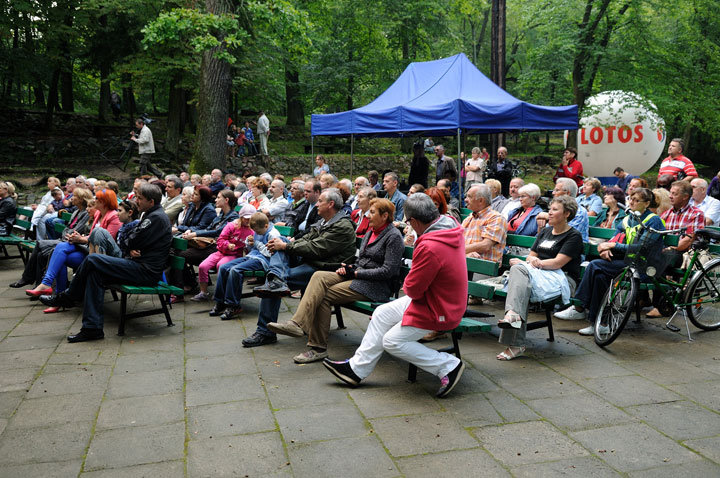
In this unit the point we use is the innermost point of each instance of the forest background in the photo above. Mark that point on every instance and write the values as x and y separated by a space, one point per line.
196 63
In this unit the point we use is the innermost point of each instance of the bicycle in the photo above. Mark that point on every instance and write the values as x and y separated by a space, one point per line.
696 295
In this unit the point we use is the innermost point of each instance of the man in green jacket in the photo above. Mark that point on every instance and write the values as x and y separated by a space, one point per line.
329 243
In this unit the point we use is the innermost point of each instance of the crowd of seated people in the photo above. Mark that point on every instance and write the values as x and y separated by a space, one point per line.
232 227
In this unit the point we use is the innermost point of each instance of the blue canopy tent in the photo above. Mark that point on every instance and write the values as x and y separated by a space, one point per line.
443 97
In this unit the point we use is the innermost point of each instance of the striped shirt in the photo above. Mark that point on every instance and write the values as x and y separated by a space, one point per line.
673 166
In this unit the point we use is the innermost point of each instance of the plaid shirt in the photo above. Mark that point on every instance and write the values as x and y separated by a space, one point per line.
486 224
689 216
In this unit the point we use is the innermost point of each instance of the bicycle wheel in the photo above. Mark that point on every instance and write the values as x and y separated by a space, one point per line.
703 298
617 305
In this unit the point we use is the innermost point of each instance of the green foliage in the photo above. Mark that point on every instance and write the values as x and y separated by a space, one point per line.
185 31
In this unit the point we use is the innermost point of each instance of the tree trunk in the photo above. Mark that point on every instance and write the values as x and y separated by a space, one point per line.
176 116
66 71
294 104
497 56
213 107
52 99
191 113
8 90
129 97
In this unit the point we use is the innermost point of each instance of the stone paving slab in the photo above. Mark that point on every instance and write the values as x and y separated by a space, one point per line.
190 401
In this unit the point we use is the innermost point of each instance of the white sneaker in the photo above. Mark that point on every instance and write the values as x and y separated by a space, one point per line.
590 330
570 313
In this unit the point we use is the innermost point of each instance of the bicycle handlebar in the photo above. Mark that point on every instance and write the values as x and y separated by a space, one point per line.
666 232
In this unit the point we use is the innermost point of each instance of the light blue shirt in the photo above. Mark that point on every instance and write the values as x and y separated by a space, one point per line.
593 203
581 224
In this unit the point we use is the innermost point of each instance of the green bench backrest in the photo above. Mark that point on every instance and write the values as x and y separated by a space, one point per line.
24 223
465 211
482 266
179 244
176 262
592 219
520 241
285 231
602 232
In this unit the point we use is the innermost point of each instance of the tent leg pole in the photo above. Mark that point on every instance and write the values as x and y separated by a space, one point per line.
352 154
459 178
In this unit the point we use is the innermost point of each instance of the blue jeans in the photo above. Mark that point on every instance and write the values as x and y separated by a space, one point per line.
297 278
50 232
228 288
596 280
94 274
65 255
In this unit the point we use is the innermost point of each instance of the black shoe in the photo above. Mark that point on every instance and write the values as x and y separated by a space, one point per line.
86 334
343 371
448 382
258 339
274 287
58 300
217 310
20 283
231 313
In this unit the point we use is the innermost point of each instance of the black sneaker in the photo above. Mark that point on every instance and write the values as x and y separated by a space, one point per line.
217 310
343 371
273 287
448 382
258 339
231 313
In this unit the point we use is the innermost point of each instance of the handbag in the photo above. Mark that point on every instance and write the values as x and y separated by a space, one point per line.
201 242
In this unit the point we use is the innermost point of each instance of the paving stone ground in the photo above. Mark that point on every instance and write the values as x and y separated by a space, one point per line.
190 401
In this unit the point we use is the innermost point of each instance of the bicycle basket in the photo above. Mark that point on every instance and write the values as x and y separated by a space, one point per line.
646 252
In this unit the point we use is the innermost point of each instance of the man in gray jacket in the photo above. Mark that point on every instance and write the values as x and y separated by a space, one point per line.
371 278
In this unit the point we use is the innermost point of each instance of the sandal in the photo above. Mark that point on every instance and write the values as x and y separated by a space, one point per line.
654 314
512 320
510 353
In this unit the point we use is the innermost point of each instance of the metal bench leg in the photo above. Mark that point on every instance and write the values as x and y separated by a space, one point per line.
339 317
548 317
113 292
123 313
456 336
164 304
412 373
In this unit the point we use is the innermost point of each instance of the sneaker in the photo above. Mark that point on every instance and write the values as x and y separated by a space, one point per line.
570 313
310 356
273 287
343 371
231 313
217 310
590 330
287 328
201 297
448 382
257 339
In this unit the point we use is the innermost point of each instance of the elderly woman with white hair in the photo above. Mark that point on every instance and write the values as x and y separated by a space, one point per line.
522 220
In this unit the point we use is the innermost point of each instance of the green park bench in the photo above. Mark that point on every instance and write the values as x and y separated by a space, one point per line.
19 235
163 290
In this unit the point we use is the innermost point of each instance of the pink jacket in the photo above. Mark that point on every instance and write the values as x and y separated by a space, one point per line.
233 234
110 222
437 282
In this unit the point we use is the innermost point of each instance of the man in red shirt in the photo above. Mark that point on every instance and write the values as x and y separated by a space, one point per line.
570 167
677 165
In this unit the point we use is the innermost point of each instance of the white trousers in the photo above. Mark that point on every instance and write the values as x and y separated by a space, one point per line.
386 333
263 143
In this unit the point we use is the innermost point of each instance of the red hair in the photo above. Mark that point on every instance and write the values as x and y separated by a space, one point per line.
107 198
438 197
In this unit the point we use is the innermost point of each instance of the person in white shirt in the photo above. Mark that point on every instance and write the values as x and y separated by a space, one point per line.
514 202
277 203
263 130
146 147
707 204
474 168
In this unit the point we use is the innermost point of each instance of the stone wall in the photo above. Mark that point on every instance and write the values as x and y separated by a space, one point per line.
291 166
